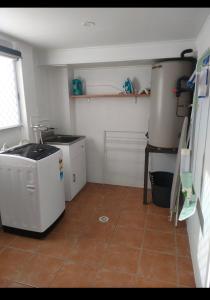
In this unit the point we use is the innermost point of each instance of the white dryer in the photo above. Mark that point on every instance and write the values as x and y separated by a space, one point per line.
32 194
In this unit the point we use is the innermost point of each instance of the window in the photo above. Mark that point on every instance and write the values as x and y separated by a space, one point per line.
9 102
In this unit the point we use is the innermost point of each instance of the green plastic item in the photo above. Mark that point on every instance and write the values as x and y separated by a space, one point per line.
77 87
187 186
190 202
188 209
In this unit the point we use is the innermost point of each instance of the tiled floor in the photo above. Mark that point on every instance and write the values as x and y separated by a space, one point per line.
138 247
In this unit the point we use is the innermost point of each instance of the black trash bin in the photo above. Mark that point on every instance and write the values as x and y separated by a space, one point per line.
161 183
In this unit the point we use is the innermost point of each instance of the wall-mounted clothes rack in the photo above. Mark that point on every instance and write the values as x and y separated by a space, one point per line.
123 154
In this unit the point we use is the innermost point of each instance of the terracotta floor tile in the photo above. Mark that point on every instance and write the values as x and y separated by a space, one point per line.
6 238
92 187
185 272
113 279
160 241
113 202
56 246
25 243
82 252
128 237
141 282
40 271
99 231
133 204
80 199
121 259
62 226
12 284
112 214
132 218
134 193
88 251
71 226
158 266
74 275
80 214
181 228
95 198
158 222
154 209
78 228
115 191
182 244
12 262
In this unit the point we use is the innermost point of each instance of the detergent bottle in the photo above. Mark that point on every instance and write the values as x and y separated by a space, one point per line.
77 87
128 86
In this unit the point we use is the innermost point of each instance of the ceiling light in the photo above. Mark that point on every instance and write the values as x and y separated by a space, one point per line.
89 24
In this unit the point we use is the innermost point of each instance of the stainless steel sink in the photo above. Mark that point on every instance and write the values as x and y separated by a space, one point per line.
62 139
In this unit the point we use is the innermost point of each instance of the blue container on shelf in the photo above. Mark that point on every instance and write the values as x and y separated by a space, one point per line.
77 87
128 87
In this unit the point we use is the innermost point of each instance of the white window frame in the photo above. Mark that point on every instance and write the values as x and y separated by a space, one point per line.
15 60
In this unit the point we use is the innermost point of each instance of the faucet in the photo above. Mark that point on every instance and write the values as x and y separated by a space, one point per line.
4 147
40 128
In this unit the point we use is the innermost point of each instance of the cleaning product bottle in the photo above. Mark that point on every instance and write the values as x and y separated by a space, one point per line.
77 87
128 86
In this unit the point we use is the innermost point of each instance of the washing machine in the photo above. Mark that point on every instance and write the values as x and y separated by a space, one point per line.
32 194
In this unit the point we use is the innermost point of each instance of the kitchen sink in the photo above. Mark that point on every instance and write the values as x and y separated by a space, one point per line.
61 139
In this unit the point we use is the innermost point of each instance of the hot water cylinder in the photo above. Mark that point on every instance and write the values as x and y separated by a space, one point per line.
167 111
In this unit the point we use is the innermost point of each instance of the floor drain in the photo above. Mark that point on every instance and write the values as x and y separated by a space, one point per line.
103 219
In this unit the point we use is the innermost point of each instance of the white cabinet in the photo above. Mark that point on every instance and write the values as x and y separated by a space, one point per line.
78 167
74 167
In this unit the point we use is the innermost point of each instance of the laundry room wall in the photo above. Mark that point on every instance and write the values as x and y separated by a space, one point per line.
53 97
94 117
115 163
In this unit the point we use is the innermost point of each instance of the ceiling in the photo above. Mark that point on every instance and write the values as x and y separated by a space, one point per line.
62 27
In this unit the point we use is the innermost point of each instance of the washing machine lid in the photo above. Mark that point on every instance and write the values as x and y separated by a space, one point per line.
32 151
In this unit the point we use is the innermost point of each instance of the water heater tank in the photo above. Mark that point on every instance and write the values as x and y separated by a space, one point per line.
166 117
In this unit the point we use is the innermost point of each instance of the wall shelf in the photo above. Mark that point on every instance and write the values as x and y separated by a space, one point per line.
107 95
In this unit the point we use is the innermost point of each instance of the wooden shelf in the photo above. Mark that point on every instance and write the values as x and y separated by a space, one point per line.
107 95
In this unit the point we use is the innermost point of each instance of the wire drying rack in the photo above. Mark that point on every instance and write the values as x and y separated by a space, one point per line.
123 143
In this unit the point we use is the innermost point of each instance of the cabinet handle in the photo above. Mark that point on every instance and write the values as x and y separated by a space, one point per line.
74 177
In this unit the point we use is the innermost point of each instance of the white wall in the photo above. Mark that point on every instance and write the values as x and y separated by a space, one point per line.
94 117
122 166
115 53
59 96
200 240
52 85
42 90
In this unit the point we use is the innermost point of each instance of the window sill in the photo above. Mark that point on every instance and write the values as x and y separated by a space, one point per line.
11 127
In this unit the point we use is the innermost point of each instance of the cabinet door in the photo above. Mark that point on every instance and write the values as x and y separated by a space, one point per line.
75 176
83 165
78 167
